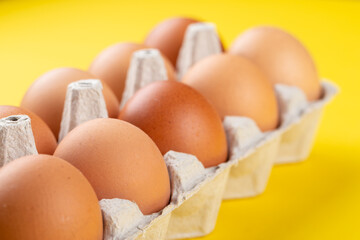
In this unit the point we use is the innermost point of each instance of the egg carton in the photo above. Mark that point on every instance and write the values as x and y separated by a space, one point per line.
197 192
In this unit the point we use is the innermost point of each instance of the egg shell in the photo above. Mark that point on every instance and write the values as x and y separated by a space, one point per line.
168 36
44 138
46 96
282 58
178 118
236 87
44 197
120 161
112 64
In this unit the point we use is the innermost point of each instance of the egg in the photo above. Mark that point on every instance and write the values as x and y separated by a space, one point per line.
178 118
44 197
112 64
46 96
120 161
236 87
44 138
281 56
168 36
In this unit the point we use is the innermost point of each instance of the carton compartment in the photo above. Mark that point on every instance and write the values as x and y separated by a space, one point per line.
298 140
249 177
124 220
197 216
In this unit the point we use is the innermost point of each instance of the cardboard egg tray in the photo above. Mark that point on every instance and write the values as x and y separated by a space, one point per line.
197 192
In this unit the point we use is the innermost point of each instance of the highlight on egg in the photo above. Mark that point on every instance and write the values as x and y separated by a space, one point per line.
120 161
178 118
44 197
46 96
236 87
282 57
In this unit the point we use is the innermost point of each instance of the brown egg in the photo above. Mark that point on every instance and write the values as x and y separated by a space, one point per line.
178 118
46 96
168 36
111 65
44 138
44 197
236 87
281 56
120 161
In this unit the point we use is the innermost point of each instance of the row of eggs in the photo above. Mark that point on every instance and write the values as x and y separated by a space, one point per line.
123 158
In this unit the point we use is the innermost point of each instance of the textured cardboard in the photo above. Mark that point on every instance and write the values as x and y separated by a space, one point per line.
201 40
297 141
249 177
84 101
16 138
197 216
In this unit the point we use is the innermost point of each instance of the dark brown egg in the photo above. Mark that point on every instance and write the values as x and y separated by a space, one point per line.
46 96
112 64
168 36
120 161
282 58
44 138
44 197
178 118
236 87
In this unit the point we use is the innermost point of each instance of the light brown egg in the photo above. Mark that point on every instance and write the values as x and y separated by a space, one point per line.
236 87
44 138
282 58
120 161
46 96
44 197
111 65
168 36
178 118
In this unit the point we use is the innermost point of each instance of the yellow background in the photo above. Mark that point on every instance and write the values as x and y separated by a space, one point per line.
317 199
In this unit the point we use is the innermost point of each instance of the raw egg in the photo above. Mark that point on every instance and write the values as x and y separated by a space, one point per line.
178 118
46 96
44 138
120 161
282 58
236 87
44 197
112 64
